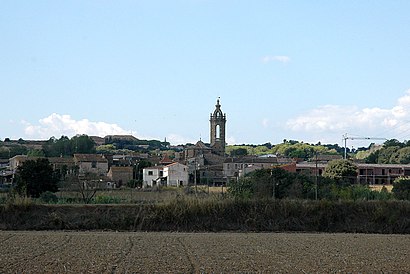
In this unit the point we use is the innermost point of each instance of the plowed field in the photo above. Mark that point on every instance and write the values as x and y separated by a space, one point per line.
123 252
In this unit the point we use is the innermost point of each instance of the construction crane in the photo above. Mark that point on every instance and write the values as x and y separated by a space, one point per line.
346 137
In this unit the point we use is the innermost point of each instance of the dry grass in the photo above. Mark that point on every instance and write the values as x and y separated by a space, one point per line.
194 215
379 187
111 252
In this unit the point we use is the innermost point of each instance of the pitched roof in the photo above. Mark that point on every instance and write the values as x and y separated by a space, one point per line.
250 159
165 160
61 160
121 168
201 145
154 167
90 158
173 164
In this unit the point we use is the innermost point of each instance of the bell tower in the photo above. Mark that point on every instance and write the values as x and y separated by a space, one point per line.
218 121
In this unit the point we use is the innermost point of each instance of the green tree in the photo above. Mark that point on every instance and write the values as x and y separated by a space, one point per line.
36 177
386 153
401 188
239 152
393 143
36 153
342 171
67 147
82 144
241 188
402 156
264 183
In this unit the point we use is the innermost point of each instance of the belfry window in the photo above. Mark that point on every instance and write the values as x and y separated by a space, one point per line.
218 131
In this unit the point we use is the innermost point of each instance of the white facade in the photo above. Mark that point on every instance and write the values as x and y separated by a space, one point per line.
151 176
176 174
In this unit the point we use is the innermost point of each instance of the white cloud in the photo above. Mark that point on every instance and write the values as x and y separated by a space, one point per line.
231 140
277 58
334 118
58 125
176 139
265 122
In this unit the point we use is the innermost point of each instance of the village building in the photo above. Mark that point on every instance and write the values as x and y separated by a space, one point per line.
152 176
205 161
91 164
120 175
369 174
235 167
124 138
176 174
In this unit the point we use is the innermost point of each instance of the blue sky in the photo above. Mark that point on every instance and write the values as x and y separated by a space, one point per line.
303 70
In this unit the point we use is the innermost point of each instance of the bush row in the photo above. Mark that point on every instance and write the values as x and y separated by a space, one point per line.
191 215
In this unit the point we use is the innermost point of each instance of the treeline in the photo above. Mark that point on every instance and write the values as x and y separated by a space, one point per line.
65 146
51 148
289 148
392 152
135 145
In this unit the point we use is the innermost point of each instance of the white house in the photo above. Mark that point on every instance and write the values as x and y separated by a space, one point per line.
176 174
152 176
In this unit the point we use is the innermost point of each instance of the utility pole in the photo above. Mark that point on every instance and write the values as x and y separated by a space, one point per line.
316 174
273 184
196 194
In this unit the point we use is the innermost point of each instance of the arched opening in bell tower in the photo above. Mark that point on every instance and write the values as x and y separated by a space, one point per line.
218 132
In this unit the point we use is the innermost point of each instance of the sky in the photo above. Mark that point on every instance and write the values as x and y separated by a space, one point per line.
298 70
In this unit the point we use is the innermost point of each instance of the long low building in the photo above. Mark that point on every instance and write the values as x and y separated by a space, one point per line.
371 174
234 167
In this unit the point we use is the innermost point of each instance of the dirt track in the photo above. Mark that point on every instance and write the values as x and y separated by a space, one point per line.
123 252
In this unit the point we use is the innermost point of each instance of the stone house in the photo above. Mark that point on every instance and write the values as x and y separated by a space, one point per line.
120 175
235 167
176 174
91 163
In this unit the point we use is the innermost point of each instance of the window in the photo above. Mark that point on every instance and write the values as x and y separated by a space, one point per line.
150 173
94 164
218 131
161 173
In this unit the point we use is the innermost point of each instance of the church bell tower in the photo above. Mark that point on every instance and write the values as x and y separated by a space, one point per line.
218 121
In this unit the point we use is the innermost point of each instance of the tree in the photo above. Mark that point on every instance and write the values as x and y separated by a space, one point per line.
35 153
402 156
82 144
401 188
264 183
239 152
36 177
342 171
393 143
241 188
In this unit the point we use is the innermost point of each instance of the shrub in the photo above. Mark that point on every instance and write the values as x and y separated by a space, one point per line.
48 197
401 188
102 199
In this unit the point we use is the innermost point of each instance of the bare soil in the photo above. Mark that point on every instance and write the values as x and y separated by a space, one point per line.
139 252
